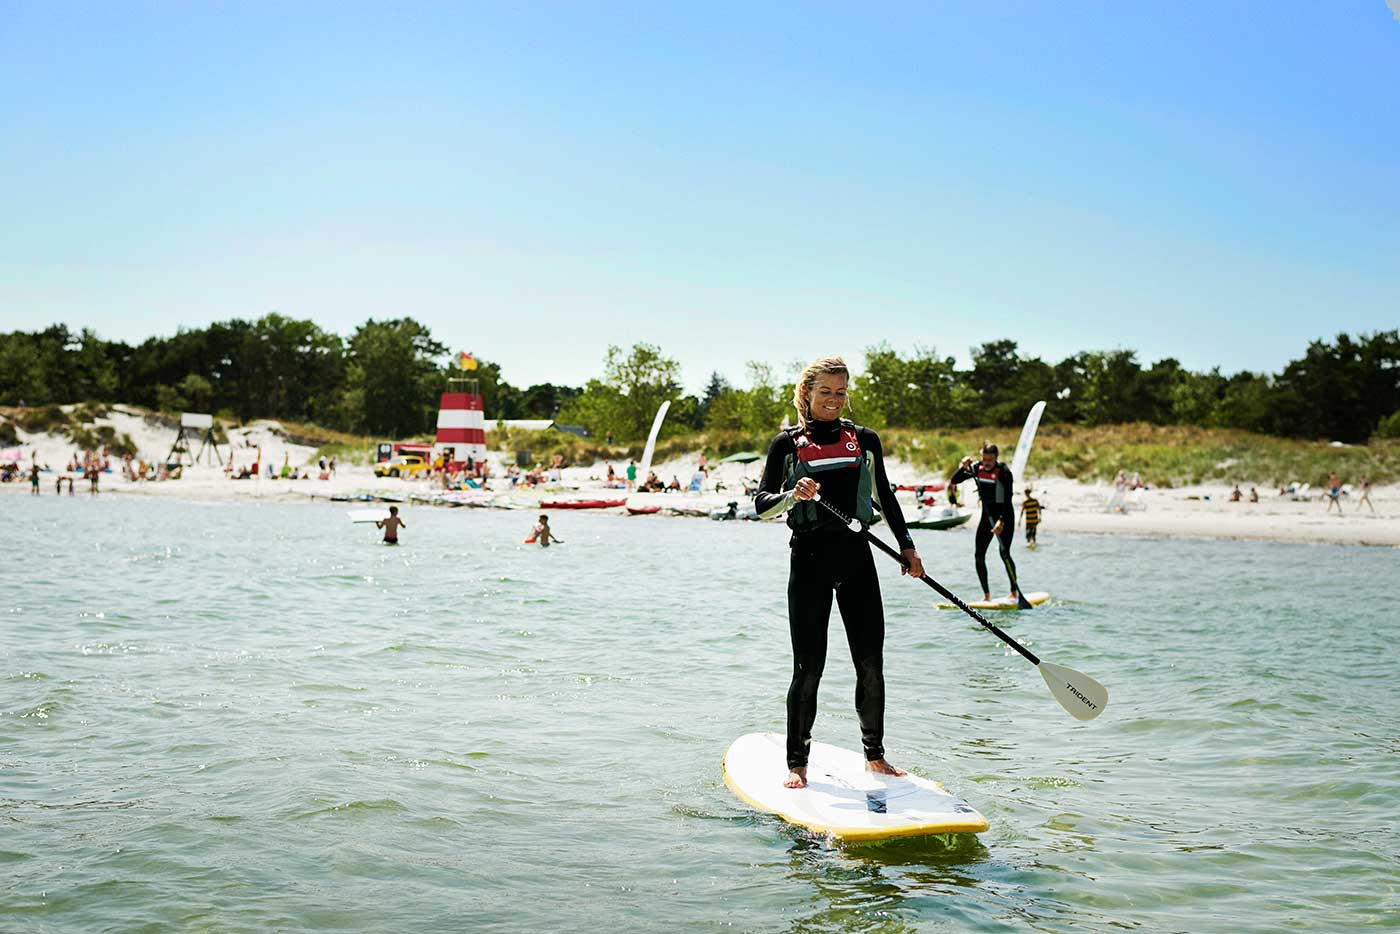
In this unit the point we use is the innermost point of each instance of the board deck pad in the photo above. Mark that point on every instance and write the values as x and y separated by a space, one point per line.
1035 597
841 797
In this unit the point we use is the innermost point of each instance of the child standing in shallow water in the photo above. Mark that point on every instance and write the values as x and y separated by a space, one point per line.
1030 509
391 526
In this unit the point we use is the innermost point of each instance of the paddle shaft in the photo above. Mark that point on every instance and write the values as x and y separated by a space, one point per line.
952 597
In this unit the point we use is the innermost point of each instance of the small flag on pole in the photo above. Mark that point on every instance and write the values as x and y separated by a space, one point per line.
467 361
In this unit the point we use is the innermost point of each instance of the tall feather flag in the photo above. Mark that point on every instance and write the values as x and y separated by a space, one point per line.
466 361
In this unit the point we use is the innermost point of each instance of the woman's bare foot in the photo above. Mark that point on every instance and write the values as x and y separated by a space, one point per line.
881 767
797 778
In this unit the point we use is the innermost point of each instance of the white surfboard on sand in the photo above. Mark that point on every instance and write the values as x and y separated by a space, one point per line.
841 797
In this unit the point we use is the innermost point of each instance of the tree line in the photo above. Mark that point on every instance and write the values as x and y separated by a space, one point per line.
384 379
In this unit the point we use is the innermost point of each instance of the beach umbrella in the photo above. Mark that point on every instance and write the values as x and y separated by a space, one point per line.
743 457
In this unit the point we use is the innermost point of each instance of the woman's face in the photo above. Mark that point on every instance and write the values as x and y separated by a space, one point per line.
828 396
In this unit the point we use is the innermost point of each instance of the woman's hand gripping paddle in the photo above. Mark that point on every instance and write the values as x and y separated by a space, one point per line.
1078 693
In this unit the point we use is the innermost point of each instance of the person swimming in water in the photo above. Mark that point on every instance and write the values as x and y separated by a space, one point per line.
391 526
542 534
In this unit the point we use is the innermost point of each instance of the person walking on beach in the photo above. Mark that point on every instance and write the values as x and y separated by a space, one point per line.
391 526
34 479
994 486
1365 495
632 475
844 462
1334 492
1030 511
542 534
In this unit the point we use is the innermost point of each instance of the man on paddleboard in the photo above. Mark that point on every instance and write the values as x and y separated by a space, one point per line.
844 462
998 516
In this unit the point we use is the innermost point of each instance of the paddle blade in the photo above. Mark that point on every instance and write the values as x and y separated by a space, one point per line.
1078 693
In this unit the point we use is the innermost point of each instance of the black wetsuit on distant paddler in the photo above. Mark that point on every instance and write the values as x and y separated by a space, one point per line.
846 460
994 489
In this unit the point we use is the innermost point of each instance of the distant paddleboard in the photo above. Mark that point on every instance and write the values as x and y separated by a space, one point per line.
367 515
650 449
841 797
1035 598
1023 446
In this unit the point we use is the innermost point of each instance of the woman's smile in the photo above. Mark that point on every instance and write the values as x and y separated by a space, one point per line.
828 396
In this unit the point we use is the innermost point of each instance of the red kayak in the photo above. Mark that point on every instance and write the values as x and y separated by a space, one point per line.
927 487
643 510
584 504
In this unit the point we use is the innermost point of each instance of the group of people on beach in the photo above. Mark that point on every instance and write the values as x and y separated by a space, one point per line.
85 465
1335 492
257 469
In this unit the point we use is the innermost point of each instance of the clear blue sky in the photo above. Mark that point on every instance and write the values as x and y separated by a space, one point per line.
1219 182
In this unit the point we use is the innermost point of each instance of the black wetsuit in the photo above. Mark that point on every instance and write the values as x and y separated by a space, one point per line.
994 487
830 559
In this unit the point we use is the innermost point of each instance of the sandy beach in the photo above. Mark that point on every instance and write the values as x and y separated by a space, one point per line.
1182 512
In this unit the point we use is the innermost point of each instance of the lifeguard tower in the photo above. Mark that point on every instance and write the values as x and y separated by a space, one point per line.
191 424
461 424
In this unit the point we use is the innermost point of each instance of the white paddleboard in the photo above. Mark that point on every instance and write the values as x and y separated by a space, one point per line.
1023 446
1034 597
367 515
841 797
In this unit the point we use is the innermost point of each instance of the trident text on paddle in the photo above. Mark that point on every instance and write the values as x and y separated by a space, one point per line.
1072 690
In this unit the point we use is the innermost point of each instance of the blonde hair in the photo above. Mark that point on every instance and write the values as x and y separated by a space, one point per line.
802 391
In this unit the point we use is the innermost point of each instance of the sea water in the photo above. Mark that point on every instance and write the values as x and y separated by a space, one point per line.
255 717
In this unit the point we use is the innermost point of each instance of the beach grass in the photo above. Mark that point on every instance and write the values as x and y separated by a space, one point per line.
344 446
1165 455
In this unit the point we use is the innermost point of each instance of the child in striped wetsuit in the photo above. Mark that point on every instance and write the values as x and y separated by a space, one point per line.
1030 511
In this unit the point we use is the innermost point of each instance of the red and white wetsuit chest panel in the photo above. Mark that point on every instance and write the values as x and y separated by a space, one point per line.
843 452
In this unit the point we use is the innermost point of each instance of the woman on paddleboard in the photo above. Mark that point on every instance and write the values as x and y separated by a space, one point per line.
998 516
844 462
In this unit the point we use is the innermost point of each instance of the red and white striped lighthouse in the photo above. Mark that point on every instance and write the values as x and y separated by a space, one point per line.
461 426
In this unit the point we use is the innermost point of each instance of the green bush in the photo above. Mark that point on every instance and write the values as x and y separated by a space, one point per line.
102 436
1389 426
45 418
89 412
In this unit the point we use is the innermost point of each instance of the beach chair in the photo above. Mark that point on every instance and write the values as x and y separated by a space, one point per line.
696 482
